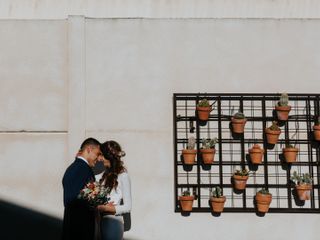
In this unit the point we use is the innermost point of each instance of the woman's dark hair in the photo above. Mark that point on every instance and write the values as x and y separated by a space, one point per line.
112 151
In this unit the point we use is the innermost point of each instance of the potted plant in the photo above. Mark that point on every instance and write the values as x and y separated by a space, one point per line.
256 154
263 199
290 153
283 108
273 133
203 109
240 178
186 201
303 185
238 122
316 129
208 150
217 200
189 154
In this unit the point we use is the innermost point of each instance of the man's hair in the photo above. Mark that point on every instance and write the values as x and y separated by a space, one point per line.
89 142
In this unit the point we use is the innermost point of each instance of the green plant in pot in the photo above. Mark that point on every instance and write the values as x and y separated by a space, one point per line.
283 108
272 133
290 153
189 154
208 150
303 185
256 154
263 199
238 122
217 200
186 201
240 178
203 109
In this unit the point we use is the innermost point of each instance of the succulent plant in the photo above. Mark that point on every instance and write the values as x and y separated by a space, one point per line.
274 126
191 143
243 172
264 191
217 192
289 146
284 100
209 143
239 115
301 179
204 103
186 193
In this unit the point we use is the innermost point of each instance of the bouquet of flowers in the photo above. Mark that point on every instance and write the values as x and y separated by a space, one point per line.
94 193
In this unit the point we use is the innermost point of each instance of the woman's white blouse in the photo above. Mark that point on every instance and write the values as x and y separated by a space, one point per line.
123 191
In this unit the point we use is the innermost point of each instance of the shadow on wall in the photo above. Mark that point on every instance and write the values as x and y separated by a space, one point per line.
21 223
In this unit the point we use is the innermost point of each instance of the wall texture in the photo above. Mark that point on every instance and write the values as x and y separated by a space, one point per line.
57 9
64 80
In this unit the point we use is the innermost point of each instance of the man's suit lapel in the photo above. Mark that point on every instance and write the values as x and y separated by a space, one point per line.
81 162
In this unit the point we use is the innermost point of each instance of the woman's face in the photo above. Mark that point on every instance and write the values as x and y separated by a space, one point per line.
106 162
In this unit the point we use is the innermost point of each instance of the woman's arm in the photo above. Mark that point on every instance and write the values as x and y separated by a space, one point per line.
126 192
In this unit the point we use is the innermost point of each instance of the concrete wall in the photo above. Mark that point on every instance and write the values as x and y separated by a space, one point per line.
134 67
33 106
57 9
64 80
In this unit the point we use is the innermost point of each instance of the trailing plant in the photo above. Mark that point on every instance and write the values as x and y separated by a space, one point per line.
209 143
284 100
301 179
217 192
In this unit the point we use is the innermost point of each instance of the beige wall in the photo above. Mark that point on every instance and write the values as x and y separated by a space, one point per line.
60 9
134 66
114 79
33 106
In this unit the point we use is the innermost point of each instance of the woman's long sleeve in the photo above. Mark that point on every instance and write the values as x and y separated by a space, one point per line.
126 194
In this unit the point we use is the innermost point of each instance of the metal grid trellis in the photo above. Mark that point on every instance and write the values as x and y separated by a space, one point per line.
232 152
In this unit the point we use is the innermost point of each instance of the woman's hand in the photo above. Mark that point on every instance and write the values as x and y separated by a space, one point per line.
109 208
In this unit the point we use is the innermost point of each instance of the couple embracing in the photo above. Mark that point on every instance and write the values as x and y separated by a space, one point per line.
105 222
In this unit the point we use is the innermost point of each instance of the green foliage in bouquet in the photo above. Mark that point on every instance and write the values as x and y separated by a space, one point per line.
94 193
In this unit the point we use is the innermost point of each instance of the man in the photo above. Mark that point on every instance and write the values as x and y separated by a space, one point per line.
79 218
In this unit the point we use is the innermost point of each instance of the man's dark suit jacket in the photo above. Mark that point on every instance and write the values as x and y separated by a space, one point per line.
79 218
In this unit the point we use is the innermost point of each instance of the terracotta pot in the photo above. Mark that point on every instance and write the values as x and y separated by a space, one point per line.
263 202
256 154
290 154
240 181
238 125
316 132
272 135
283 112
186 203
208 155
204 113
303 191
189 156
217 203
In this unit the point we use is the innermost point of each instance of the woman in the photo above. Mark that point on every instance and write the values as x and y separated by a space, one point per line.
117 180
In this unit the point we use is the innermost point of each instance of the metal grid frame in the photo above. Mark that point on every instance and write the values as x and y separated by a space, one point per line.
232 152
